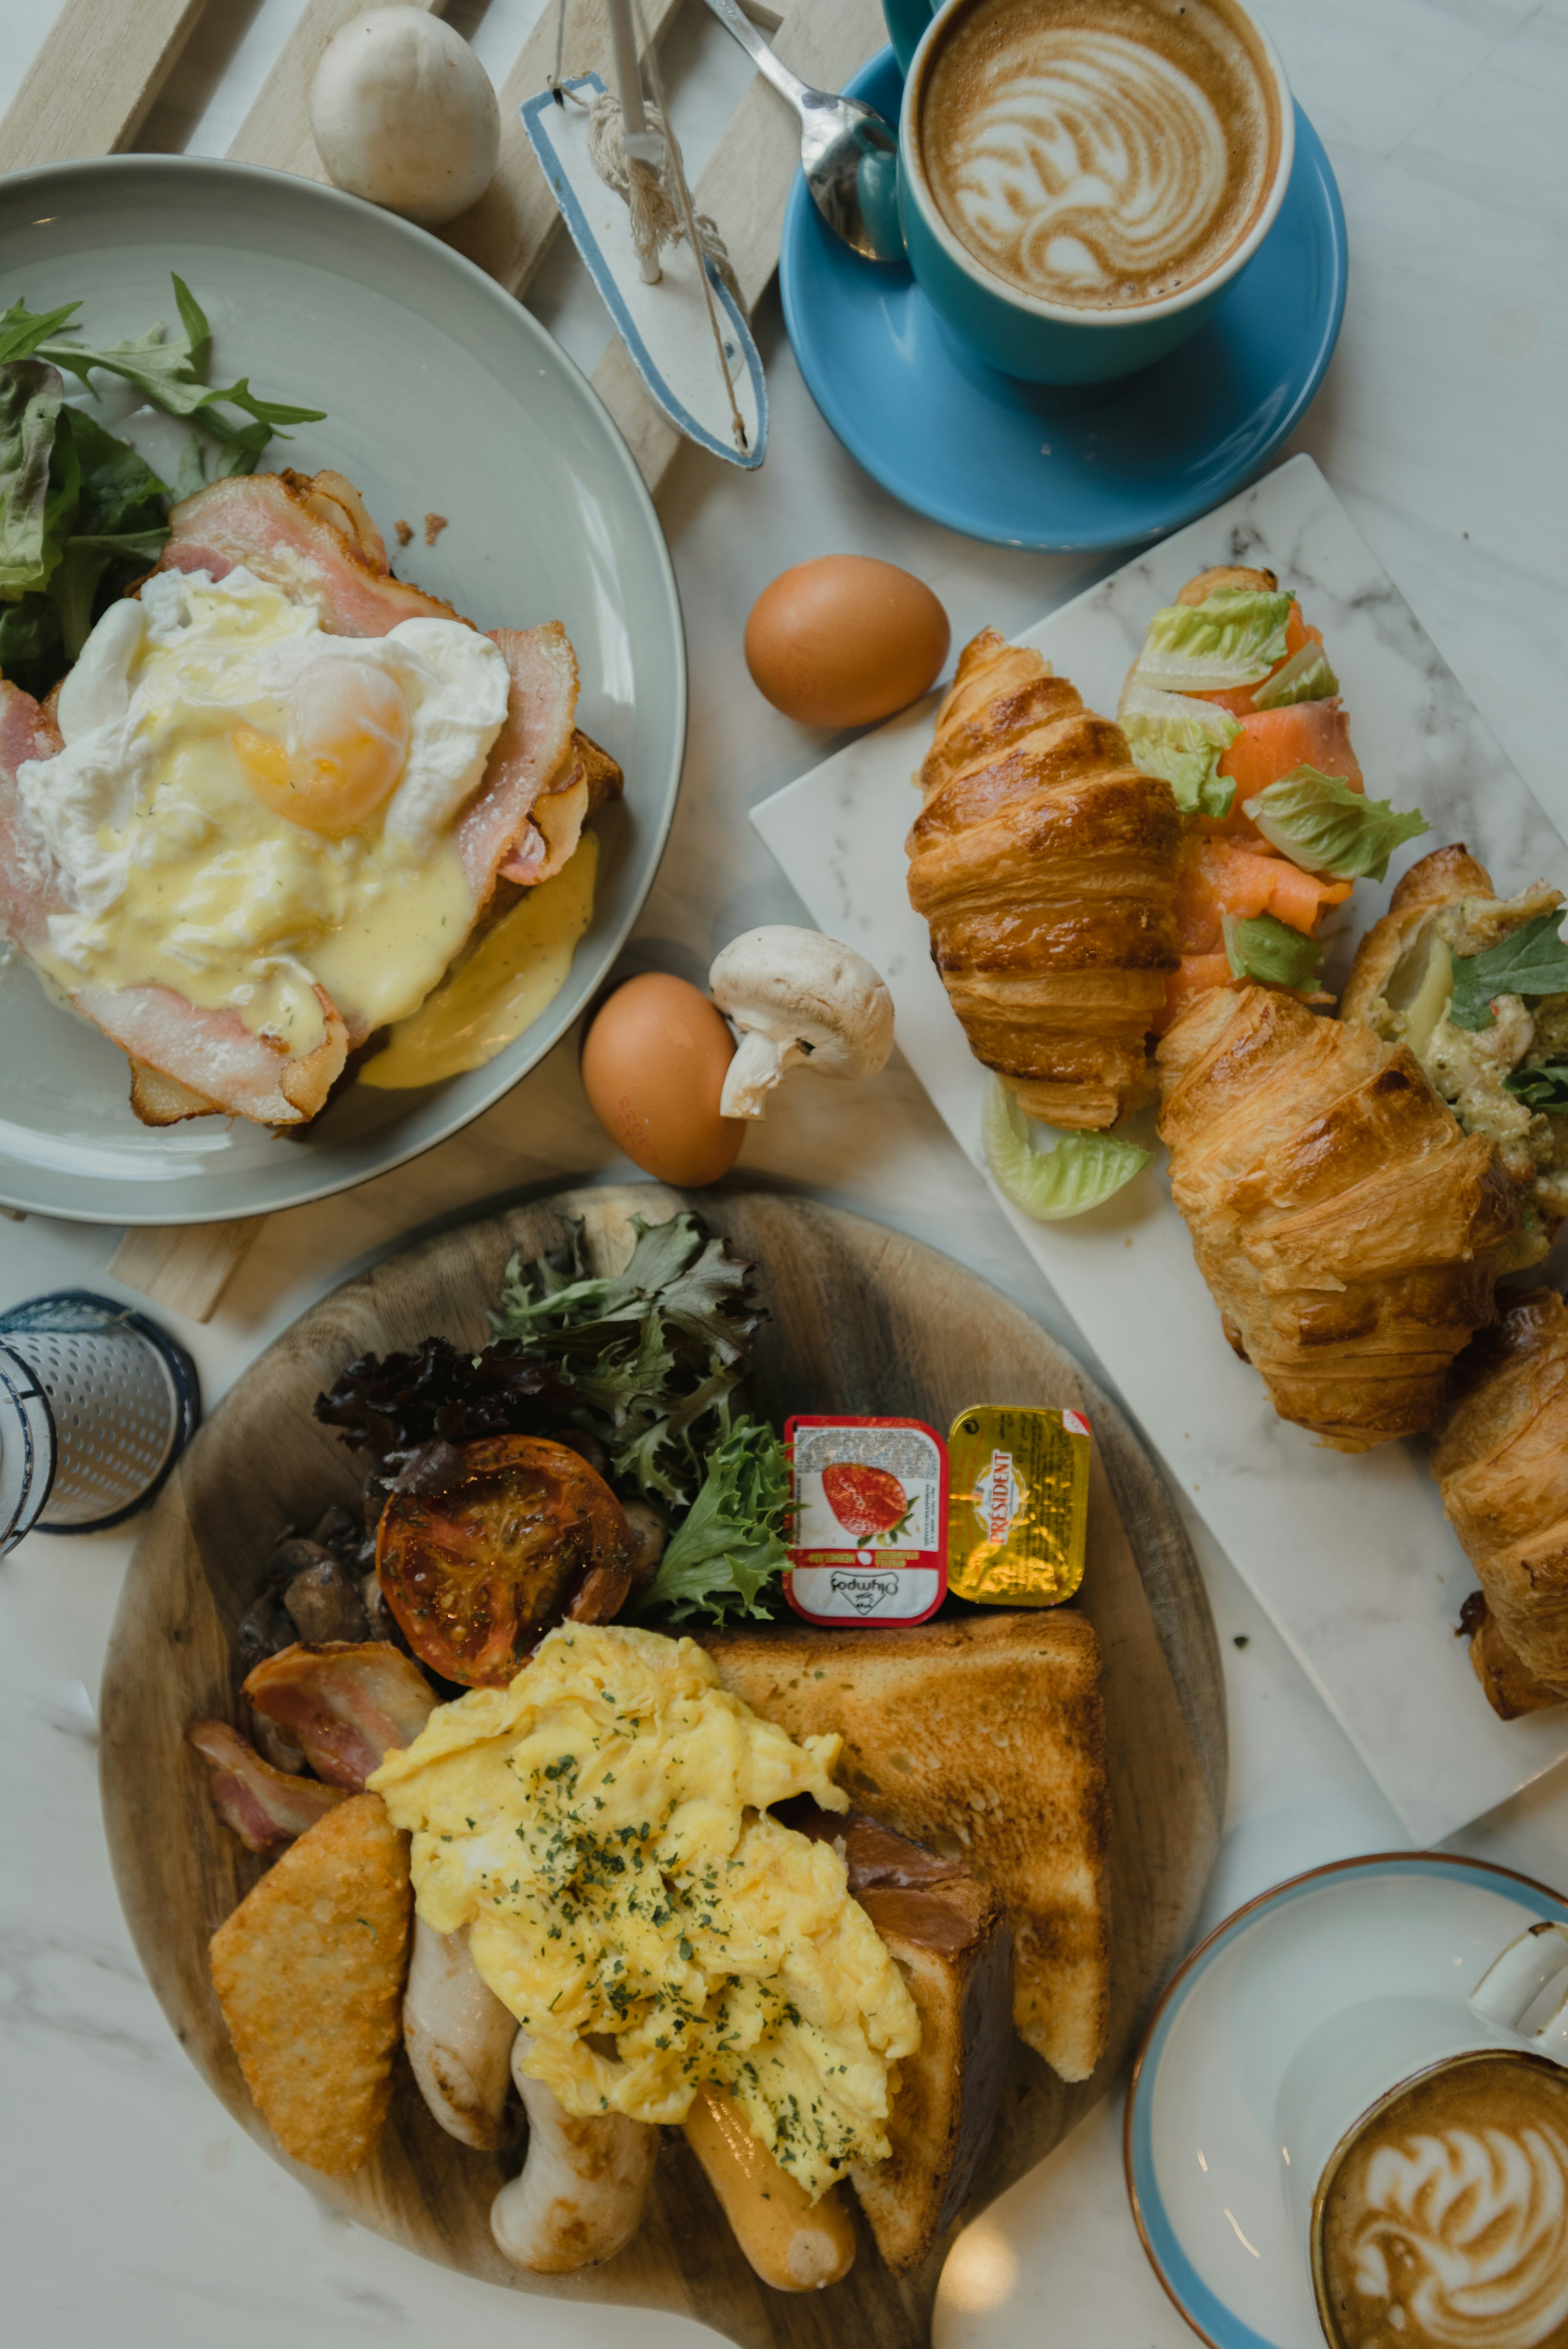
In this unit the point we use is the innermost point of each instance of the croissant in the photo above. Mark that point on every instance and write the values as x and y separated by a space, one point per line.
1346 1227
1045 865
1401 989
1501 1465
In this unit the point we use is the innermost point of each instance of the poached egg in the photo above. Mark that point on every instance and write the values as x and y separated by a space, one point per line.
246 806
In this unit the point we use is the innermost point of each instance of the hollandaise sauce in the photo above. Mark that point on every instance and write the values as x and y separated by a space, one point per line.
515 972
603 1828
246 808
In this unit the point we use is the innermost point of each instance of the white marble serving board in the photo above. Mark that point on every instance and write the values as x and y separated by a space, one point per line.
1351 1556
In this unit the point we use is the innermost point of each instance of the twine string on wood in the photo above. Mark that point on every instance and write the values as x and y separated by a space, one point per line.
656 196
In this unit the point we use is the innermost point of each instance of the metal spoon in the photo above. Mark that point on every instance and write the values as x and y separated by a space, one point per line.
849 153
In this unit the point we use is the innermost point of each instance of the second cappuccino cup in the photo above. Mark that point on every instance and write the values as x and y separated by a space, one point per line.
1078 184
1424 2150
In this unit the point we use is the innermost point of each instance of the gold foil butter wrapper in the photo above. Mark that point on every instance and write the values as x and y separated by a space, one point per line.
1018 1508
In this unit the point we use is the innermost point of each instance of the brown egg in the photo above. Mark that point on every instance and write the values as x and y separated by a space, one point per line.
653 1069
845 639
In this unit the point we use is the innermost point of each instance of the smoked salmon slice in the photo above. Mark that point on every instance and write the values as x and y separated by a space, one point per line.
1271 744
1196 974
1221 876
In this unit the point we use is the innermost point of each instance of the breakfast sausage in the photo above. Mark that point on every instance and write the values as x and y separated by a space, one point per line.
794 2244
579 2197
458 2036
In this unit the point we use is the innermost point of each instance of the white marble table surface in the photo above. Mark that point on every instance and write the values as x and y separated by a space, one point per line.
128 2199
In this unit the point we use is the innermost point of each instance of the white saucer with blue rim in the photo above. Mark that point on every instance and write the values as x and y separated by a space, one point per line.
1203 2171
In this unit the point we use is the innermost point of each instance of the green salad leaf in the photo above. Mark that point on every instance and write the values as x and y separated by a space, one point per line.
1083 1170
1233 638
1182 740
730 1548
1305 677
22 330
1542 1089
30 398
651 1353
169 370
119 523
1323 826
81 513
30 653
1531 960
1270 951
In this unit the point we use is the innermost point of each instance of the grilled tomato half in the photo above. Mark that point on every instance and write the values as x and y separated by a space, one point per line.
476 1574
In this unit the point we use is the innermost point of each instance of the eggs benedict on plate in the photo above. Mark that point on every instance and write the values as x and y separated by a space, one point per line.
265 811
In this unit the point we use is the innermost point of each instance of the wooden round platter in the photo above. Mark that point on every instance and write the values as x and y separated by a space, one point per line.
861 1319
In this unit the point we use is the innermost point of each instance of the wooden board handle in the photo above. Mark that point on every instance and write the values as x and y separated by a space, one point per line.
184 1267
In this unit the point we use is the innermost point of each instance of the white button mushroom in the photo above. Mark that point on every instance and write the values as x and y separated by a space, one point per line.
403 114
799 1000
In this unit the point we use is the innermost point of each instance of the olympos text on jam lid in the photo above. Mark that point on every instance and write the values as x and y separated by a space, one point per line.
869 1539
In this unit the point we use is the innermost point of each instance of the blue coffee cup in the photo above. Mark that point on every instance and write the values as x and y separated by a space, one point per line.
1022 334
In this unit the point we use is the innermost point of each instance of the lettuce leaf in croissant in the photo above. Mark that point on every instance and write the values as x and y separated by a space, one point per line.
1182 740
1233 638
1323 826
1083 1170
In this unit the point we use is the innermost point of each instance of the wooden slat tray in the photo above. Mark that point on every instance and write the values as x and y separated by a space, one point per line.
862 1319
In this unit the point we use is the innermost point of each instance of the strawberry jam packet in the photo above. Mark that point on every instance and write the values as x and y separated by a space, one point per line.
870 1536
1017 1529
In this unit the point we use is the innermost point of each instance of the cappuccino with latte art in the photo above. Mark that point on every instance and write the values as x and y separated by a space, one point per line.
1444 2225
1099 155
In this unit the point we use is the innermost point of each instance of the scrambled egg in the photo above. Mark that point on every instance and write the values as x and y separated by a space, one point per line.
602 1828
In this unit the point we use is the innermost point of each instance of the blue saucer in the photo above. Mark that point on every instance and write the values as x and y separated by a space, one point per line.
1023 464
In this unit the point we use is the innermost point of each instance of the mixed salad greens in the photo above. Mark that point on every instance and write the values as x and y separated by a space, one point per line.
81 513
641 1362
1229 641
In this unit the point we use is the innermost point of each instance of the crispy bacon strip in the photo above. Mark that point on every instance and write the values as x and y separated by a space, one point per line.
345 1703
276 524
265 1807
215 1055
534 747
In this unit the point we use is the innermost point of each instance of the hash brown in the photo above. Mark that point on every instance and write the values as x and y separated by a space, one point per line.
309 1974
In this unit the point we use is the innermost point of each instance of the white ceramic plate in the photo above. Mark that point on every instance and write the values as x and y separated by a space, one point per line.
1352 1557
442 395
1203 2171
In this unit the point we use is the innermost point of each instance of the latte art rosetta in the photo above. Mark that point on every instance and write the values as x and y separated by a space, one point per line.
1458 2238
1481 2218
1097 153
1101 163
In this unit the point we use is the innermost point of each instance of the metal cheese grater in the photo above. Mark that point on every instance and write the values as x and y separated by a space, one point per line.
96 1405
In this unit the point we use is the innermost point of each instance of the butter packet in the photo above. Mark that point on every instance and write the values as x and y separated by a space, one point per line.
1018 1513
